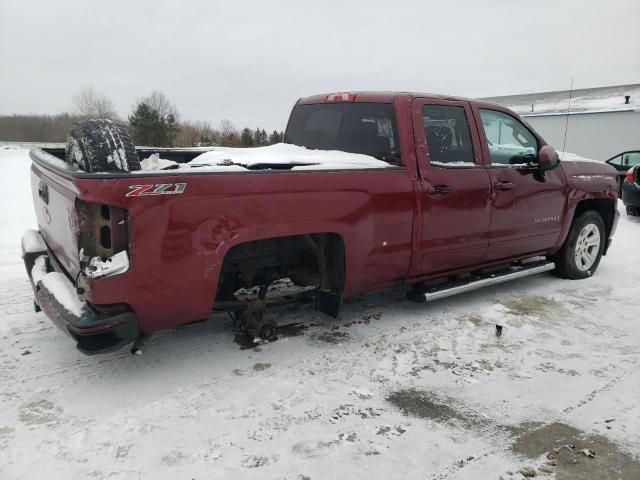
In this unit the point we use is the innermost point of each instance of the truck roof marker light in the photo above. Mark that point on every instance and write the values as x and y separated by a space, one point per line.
340 97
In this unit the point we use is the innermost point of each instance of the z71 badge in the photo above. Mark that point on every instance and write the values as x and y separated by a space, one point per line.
156 189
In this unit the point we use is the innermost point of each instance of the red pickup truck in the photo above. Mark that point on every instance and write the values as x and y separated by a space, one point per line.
458 194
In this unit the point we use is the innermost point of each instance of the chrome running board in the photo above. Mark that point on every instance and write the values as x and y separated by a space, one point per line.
479 280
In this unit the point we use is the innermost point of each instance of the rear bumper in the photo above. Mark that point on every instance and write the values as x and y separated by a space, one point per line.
631 194
96 330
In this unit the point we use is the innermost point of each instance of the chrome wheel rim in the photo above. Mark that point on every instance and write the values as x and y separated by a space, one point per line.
587 247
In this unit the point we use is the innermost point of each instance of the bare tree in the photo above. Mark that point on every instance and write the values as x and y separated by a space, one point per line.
227 128
36 128
229 135
91 104
159 102
196 134
206 132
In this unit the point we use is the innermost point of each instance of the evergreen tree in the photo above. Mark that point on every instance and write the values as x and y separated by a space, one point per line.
256 137
246 138
171 129
274 138
145 125
154 121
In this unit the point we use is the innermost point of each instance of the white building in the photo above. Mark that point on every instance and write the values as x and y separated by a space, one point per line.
601 122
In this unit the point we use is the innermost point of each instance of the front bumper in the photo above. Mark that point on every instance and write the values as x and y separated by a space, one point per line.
96 330
631 194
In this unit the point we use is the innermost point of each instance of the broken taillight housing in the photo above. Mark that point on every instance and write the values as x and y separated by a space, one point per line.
103 236
630 175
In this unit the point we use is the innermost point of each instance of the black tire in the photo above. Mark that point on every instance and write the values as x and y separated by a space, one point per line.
566 260
633 211
101 146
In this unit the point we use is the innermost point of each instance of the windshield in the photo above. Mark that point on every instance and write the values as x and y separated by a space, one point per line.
366 128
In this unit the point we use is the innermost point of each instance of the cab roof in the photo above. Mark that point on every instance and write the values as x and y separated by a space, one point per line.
370 96
388 97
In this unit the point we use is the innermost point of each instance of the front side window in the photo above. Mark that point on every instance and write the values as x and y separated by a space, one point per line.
366 128
509 141
448 137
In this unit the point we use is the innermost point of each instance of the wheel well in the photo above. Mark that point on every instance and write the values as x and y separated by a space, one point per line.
310 259
605 207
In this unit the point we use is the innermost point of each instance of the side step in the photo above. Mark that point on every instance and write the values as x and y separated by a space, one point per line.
475 281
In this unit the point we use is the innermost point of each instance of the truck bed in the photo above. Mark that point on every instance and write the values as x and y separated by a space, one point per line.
278 157
178 237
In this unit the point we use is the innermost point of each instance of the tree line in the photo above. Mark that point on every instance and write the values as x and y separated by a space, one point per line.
154 121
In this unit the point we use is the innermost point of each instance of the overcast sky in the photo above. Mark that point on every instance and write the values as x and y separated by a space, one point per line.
249 61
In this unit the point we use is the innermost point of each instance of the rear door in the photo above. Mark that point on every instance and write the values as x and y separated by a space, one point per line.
454 212
527 210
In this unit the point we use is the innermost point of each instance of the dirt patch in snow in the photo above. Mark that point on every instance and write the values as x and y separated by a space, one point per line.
474 319
334 337
423 404
292 330
534 305
38 412
572 454
257 461
246 342
258 367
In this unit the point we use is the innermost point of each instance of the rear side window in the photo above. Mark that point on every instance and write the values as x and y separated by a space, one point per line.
366 128
448 137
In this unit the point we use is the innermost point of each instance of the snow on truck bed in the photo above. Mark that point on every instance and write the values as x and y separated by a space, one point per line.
226 159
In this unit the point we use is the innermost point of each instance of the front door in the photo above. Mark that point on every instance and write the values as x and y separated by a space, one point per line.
455 197
527 209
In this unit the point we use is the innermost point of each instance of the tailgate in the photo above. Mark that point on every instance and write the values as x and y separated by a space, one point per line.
54 200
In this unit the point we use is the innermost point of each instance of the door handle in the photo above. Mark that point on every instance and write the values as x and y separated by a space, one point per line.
505 185
439 189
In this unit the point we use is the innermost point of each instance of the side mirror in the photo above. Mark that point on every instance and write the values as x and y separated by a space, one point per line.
548 159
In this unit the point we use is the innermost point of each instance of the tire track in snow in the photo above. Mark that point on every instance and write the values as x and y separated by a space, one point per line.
460 464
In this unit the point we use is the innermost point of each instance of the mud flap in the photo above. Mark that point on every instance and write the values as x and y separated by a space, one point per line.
328 302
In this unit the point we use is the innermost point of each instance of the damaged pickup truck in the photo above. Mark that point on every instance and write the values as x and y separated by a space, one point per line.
368 191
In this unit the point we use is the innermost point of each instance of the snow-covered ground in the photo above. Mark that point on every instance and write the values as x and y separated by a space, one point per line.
392 389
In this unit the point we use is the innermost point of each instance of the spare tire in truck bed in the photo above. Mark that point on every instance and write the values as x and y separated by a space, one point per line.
101 146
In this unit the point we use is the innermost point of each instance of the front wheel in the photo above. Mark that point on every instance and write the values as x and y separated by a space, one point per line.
582 250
